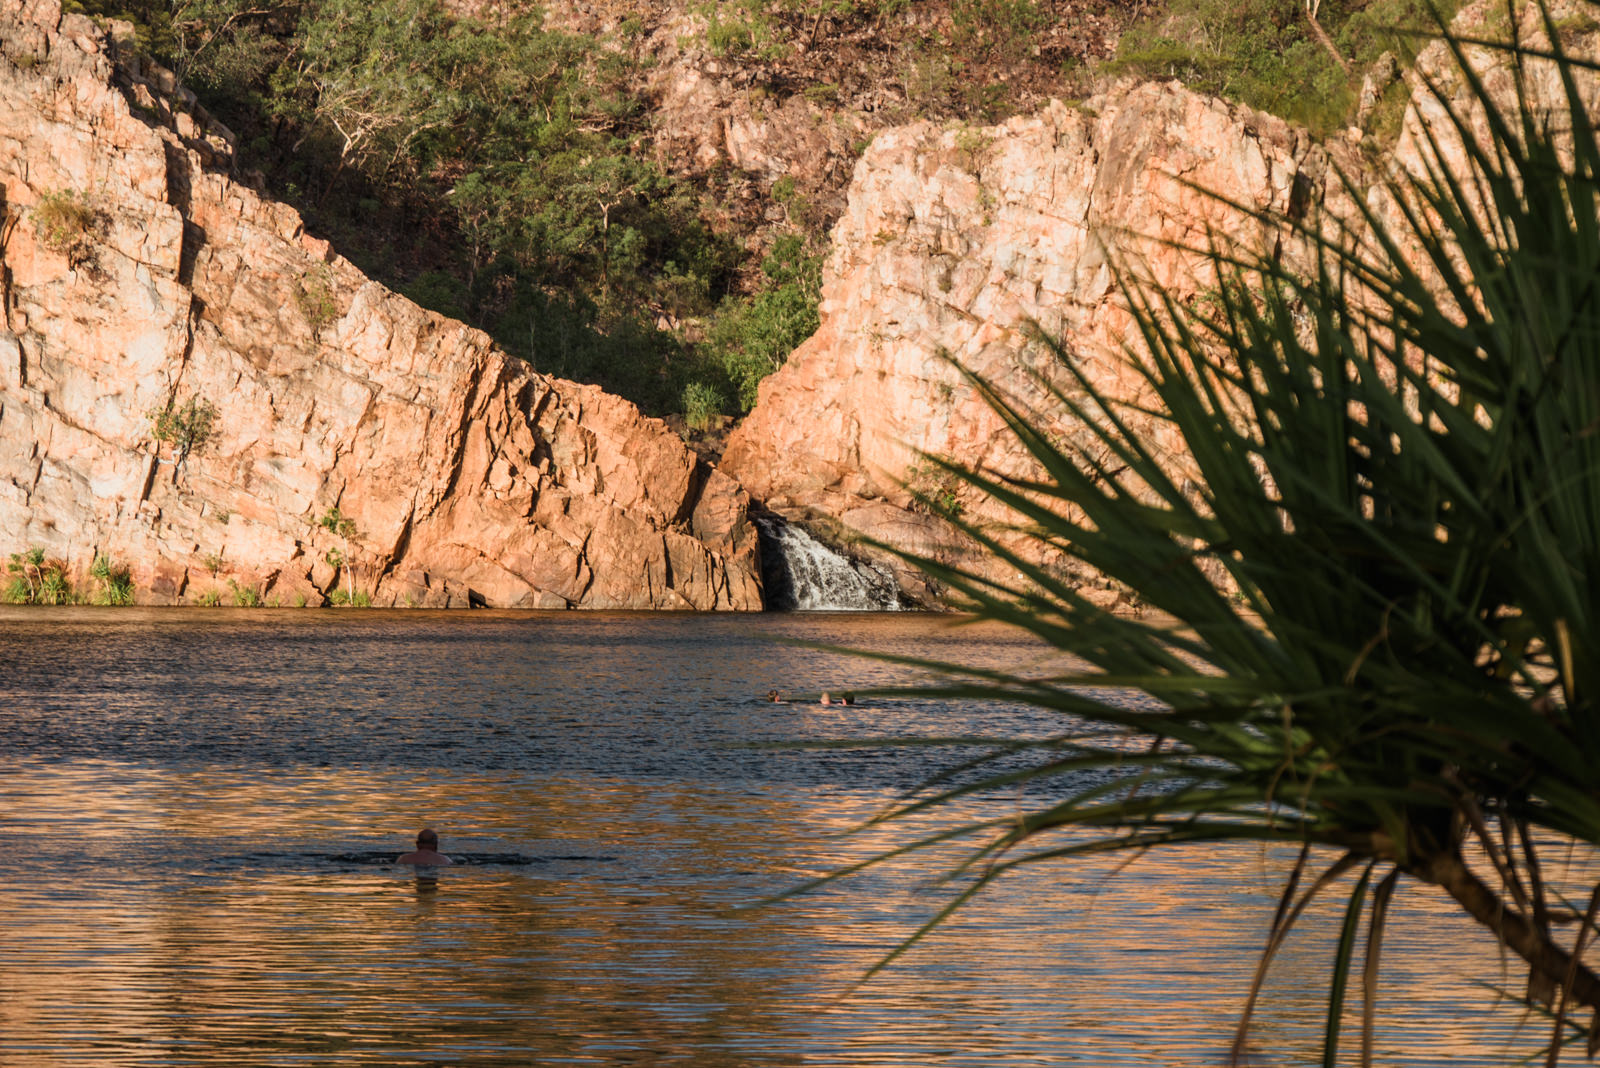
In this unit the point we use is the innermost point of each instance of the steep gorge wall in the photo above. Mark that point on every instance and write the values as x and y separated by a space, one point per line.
469 478
969 244
966 245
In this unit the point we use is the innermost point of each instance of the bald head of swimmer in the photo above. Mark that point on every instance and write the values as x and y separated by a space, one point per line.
427 854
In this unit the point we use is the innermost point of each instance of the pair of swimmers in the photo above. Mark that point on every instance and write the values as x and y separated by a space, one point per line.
827 699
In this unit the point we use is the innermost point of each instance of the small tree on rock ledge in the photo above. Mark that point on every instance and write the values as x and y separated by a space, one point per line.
185 427
344 527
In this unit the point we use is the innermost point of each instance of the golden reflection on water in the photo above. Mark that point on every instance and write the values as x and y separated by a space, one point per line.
621 945
203 912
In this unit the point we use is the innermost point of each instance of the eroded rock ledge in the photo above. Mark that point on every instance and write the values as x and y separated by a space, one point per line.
468 477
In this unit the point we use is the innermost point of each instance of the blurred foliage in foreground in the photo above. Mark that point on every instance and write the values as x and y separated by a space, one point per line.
1373 627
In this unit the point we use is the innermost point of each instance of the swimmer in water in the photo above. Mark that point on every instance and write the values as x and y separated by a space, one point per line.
774 696
427 854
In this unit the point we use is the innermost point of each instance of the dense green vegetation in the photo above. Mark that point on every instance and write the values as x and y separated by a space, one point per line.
1375 626
38 579
981 29
751 338
1302 59
503 173
113 583
491 171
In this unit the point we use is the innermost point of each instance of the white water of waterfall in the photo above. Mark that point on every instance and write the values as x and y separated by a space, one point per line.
802 574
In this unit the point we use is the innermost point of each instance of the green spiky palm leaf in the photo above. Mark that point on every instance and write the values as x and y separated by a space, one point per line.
1373 608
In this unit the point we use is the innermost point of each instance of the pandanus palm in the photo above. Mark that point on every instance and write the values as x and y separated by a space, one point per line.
1372 628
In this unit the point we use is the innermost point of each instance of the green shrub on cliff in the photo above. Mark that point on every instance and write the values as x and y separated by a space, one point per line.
27 569
337 522
352 598
1375 636
244 596
996 29
185 427
753 337
741 28
316 299
343 559
65 223
37 579
702 403
1269 54
769 31
54 586
113 584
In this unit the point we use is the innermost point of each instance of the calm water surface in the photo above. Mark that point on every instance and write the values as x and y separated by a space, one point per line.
201 808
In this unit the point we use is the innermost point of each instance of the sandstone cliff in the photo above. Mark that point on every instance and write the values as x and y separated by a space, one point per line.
970 244
467 477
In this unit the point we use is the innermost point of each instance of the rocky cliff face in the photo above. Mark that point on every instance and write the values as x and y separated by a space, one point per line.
798 102
967 246
137 275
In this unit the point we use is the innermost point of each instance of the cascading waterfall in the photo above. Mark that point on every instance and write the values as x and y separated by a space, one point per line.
802 574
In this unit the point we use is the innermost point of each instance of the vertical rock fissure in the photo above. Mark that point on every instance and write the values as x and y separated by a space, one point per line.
8 225
698 477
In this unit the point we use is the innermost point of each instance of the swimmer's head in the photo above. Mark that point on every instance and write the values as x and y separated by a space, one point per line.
772 695
427 839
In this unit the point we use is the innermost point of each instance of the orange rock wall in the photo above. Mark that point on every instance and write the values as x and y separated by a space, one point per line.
469 478
964 244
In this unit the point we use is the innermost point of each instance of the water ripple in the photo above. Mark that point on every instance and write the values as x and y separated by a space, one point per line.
203 809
